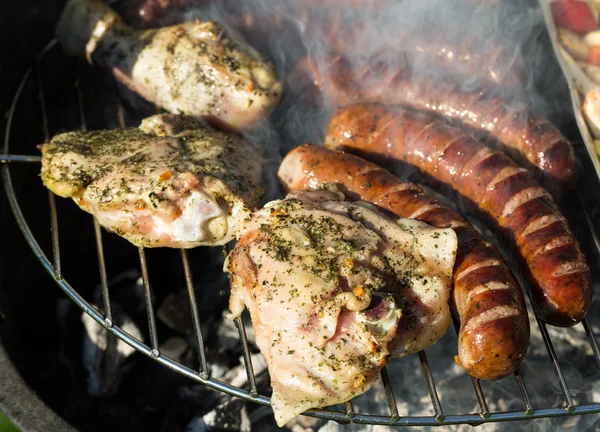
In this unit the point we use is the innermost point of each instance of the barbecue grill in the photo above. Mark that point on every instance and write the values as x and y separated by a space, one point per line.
72 85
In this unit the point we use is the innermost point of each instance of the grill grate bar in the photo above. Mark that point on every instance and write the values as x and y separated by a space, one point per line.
144 267
349 409
80 106
42 99
592 340
570 405
108 319
120 114
55 242
19 158
239 323
484 411
586 325
589 223
524 393
195 316
51 199
342 415
149 308
435 400
389 394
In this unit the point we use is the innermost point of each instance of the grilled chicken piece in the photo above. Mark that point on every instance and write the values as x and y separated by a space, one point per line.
333 288
195 68
172 182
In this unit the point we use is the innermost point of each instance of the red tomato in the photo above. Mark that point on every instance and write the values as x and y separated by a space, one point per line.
574 15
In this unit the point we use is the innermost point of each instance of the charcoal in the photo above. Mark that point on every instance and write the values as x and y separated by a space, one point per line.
175 313
232 415
211 285
104 355
218 361
174 348
306 424
201 395
186 404
126 291
237 376
228 333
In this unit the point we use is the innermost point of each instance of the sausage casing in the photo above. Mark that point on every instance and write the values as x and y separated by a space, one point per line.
530 139
496 187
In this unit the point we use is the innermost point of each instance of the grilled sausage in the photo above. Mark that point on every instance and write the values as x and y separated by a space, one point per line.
522 210
530 139
461 55
494 327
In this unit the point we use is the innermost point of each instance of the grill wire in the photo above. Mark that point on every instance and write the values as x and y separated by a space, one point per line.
348 415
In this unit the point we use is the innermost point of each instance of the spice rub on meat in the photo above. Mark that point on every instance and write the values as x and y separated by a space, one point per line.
173 182
333 289
194 68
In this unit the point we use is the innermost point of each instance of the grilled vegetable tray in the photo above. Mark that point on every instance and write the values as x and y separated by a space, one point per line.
578 69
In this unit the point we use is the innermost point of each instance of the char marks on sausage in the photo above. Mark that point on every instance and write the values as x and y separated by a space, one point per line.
528 138
522 210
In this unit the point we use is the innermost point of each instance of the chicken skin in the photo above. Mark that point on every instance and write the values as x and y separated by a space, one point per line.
194 68
172 182
330 286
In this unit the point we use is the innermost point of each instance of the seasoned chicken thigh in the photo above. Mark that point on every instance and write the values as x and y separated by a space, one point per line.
194 68
332 287
173 182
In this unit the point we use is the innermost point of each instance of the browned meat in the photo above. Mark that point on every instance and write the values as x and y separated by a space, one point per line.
328 285
194 68
172 182
523 211
530 139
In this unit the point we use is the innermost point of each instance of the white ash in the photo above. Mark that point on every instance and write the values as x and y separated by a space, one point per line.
211 410
175 312
174 348
103 354
228 333
237 376
231 415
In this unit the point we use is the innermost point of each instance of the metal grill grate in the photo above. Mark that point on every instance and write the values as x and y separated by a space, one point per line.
348 415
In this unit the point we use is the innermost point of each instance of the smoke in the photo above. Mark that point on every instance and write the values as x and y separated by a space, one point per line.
496 47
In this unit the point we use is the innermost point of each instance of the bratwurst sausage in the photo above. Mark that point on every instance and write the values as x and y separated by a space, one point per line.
530 139
462 55
494 327
522 210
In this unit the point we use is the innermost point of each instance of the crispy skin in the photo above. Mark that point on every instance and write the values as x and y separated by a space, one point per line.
531 140
491 344
523 211
328 283
172 182
195 68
